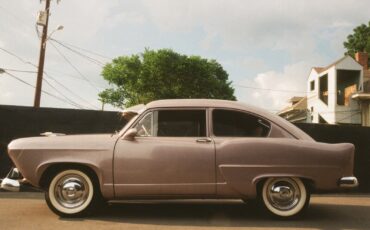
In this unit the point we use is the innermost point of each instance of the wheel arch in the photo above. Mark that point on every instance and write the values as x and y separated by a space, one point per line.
260 179
47 170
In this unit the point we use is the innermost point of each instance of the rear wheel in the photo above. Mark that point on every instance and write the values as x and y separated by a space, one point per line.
285 197
71 193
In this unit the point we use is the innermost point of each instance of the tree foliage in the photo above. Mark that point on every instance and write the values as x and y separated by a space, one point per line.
359 41
163 74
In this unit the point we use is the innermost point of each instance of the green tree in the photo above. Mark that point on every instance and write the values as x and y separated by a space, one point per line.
163 74
359 41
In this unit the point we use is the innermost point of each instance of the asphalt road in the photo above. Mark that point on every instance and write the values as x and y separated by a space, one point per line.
29 211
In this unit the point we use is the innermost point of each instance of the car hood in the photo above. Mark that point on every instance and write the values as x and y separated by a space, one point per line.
91 141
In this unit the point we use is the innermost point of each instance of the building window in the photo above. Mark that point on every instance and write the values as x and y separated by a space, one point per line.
323 89
347 82
312 85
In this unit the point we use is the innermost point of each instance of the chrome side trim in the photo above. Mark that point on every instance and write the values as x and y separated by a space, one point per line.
348 182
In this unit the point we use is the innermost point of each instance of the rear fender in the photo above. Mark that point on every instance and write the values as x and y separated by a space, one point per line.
243 179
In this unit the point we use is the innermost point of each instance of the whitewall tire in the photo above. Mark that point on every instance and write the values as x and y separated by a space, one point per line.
284 196
71 193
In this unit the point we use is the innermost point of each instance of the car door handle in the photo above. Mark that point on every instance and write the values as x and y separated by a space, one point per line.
204 140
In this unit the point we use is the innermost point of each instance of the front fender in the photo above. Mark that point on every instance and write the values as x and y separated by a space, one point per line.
45 165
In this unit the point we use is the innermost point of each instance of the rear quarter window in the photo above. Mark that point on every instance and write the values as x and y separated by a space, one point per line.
229 123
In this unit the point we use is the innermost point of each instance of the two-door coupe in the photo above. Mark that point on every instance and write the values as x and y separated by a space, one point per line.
188 148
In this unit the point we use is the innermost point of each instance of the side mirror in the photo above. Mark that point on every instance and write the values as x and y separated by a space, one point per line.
130 134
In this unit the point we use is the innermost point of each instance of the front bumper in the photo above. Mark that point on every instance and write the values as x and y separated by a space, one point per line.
348 182
13 181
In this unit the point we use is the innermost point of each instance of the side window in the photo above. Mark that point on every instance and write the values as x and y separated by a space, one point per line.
145 126
180 123
227 123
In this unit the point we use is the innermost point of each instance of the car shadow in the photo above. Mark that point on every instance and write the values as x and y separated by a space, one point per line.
231 214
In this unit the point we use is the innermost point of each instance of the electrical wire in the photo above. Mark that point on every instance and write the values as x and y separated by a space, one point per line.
71 92
22 21
65 97
43 91
350 116
56 81
34 65
92 60
74 67
85 50
46 74
268 89
19 71
16 56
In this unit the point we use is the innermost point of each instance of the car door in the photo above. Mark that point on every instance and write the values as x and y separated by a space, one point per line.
232 131
171 154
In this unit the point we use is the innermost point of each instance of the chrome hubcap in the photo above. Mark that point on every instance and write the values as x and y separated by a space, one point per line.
71 191
283 194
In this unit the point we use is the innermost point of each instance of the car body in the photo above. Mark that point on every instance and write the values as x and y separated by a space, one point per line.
186 148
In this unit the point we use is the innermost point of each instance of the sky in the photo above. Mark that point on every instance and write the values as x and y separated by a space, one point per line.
268 46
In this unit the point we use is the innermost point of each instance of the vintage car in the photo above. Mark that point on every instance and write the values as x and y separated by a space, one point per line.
186 148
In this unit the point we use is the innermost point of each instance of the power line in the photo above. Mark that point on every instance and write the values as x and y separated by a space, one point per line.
73 66
34 65
65 97
86 50
19 71
16 17
92 60
268 89
350 116
56 81
23 22
16 56
45 92
30 63
70 91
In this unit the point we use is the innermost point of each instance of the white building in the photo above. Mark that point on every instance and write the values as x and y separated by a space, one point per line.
330 90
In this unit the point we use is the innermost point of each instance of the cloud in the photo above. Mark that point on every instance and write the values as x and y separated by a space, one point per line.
288 83
128 18
283 25
256 64
269 44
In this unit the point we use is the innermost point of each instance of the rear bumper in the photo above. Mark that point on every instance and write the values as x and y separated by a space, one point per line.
348 182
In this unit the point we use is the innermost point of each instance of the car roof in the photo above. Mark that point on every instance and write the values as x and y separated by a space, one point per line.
196 103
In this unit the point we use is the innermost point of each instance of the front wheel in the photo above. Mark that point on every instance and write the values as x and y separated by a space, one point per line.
285 197
71 193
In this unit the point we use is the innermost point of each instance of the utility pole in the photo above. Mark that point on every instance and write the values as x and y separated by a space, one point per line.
40 70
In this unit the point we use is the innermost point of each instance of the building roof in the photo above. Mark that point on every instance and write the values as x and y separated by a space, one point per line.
295 99
301 105
318 69
322 69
